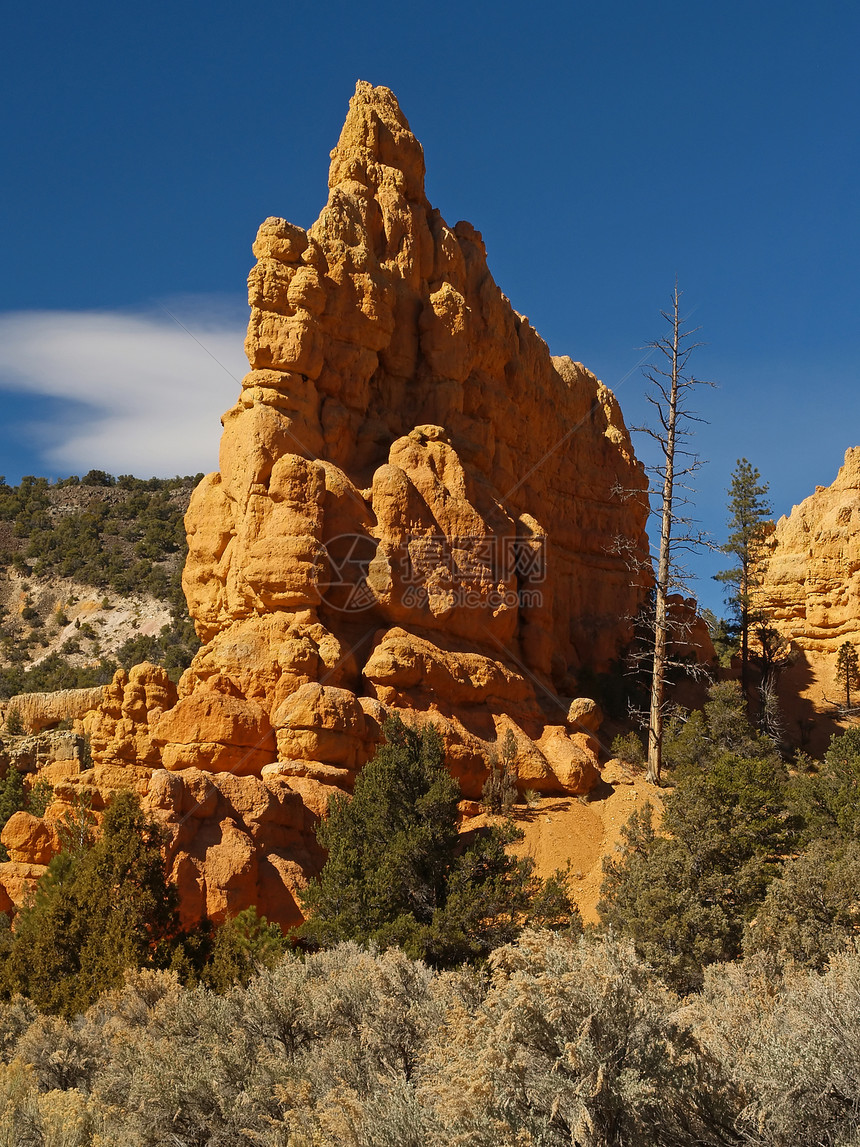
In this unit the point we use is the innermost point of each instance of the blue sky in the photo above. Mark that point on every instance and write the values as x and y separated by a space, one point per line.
601 149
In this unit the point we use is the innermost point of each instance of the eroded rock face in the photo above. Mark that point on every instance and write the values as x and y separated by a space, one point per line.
39 711
234 841
52 755
415 512
811 586
415 502
811 593
120 727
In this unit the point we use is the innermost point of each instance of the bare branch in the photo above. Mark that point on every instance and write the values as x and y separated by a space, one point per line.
671 386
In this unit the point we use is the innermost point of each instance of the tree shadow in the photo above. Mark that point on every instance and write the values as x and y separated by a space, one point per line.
528 814
554 804
809 726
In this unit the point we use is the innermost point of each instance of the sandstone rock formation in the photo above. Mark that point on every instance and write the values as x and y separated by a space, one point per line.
415 502
230 840
40 711
234 841
811 583
415 511
54 754
120 727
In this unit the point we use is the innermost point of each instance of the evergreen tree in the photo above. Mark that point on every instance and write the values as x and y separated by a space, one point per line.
685 895
240 947
749 515
811 911
15 723
13 795
829 800
399 873
847 669
95 914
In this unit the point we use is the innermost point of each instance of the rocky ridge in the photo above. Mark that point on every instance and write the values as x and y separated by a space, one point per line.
415 511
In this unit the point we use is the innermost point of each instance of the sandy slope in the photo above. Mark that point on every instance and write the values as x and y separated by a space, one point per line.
562 829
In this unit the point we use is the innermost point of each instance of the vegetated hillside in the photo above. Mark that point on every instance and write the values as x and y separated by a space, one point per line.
90 574
715 1003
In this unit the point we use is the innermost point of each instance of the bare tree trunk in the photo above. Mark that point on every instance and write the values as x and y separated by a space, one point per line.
658 673
670 385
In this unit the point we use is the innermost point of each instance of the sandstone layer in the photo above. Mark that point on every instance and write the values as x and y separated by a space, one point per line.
811 584
415 511
38 711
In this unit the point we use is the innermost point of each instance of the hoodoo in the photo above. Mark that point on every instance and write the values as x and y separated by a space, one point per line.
810 590
414 511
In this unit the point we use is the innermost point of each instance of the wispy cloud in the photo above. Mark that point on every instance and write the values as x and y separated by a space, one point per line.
151 391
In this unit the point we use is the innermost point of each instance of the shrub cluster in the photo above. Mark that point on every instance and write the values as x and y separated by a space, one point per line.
105 907
747 860
52 673
558 1041
429 1002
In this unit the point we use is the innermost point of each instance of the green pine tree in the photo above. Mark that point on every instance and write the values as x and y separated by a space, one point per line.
15 723
241 946
398 872
95 914
685 895
828 799
749 516
847 669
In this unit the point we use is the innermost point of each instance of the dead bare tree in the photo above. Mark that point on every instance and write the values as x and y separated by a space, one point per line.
772 656
670 386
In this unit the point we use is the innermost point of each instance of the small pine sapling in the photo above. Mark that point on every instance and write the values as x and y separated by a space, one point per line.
500 788
847 670
15 723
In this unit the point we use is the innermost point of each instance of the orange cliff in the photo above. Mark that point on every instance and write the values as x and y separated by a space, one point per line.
416 511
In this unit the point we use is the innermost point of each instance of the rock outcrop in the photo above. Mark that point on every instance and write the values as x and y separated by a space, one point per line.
39 711
54 754
811 583
810 588
415 511
234 841
415 505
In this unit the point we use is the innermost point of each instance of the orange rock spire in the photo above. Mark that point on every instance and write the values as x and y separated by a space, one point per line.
415 510
414 497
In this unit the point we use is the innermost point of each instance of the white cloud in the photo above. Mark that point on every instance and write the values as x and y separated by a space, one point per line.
153 392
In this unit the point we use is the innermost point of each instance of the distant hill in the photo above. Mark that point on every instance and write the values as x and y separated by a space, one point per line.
90 578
